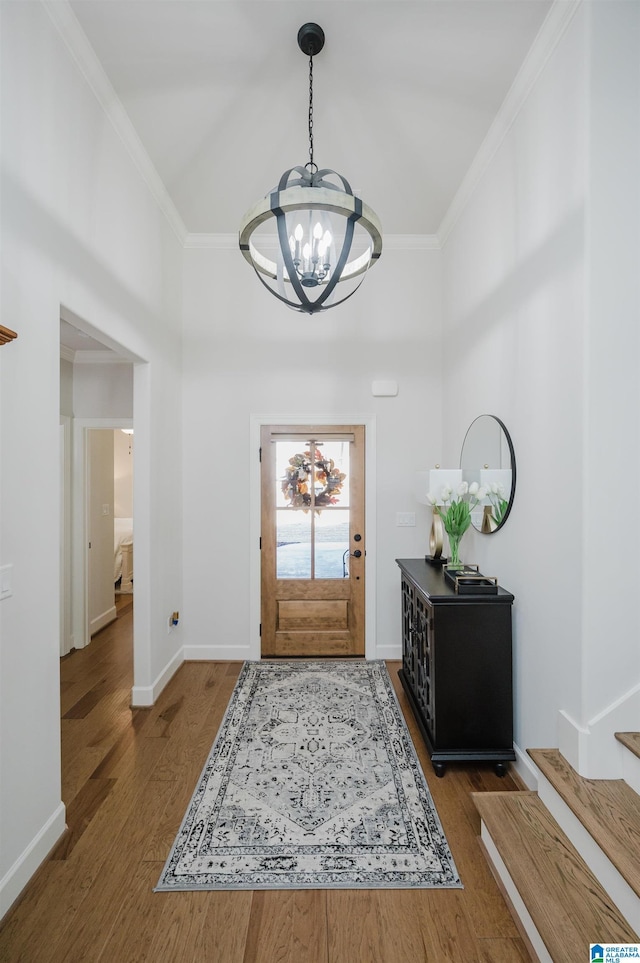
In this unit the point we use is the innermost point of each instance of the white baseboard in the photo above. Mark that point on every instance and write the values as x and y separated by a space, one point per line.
101 620
525 768
15 880
235 653
218 653
391 652
143 696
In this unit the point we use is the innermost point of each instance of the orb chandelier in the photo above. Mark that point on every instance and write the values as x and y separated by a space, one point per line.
311 240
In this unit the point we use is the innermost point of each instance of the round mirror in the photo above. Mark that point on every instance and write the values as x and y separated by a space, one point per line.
487 458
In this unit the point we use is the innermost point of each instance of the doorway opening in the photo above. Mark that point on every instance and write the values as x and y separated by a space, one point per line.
312 540
98 380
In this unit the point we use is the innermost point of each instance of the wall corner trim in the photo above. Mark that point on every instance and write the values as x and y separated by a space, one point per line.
73 36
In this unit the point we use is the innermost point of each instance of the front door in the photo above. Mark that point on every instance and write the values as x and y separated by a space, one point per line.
312 526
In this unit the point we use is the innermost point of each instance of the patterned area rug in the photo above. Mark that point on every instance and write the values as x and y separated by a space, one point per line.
312 783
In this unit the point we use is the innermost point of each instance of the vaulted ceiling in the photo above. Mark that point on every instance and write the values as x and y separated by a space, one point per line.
404 93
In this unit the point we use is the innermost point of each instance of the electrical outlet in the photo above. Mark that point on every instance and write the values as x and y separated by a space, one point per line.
405 519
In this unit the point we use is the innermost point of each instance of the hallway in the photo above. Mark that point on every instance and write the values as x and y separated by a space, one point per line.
128 776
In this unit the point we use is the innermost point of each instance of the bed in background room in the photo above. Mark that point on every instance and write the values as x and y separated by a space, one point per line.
123 554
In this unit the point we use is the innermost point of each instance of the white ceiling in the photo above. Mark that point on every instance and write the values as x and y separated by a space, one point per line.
404 90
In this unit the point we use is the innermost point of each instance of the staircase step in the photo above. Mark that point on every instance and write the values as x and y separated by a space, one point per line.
557 900
631 740
630 758
608 809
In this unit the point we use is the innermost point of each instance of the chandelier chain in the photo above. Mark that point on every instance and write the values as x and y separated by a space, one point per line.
311 163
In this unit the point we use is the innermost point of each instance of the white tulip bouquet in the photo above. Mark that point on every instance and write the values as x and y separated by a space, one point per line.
499 502
456 513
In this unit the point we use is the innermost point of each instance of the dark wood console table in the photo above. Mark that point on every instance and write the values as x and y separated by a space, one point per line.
457 667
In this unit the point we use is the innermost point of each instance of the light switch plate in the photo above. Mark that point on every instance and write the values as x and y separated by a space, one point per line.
405 519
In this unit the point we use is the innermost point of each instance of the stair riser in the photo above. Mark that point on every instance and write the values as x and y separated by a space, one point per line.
616 886
631 770
523 917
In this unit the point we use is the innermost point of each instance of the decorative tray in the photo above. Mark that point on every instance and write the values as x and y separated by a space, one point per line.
436 559
467 580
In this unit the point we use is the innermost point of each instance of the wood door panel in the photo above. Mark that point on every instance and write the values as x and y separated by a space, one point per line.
331 614
306 590
319 615
318 645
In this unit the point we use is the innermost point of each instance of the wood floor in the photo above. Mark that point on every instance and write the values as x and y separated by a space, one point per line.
127 779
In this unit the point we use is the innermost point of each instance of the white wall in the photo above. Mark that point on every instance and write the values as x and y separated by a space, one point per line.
80 229
245 355
103 390
529 337
123 475
102 607
611 641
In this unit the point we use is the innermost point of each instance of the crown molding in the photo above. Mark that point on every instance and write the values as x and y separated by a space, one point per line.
551 32
67 354
390 242
86 59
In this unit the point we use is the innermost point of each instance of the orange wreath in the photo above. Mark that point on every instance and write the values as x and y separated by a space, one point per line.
304 472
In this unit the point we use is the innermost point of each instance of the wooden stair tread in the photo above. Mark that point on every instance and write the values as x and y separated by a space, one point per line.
609 809
631 740
564 899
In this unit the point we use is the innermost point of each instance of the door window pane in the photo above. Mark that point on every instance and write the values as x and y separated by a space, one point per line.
293 544
312 508
332 544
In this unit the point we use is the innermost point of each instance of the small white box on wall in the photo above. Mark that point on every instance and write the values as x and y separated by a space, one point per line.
384 389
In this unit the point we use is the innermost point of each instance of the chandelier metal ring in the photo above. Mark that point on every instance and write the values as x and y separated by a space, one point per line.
324 199
324 234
